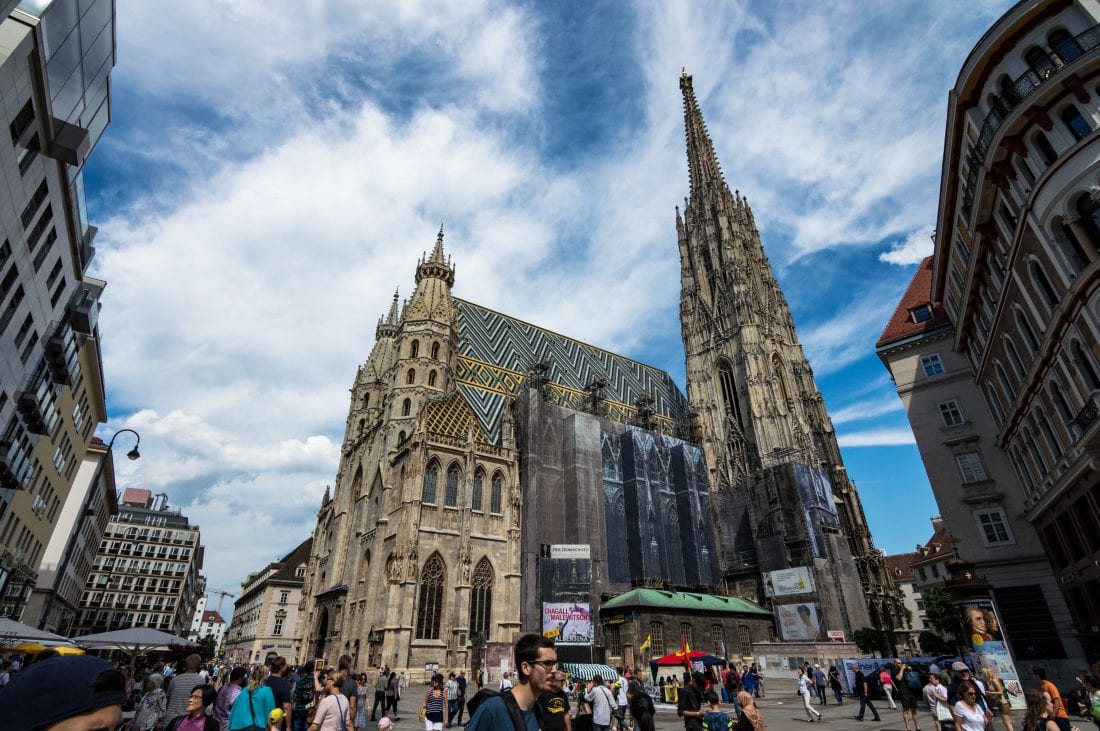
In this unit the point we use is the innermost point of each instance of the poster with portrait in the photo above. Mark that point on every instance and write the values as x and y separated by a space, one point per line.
799 621
982 628
568 623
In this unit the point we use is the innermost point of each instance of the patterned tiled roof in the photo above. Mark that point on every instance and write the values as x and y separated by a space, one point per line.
919 292
496 352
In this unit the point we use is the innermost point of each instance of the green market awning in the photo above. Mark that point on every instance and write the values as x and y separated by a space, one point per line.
586 671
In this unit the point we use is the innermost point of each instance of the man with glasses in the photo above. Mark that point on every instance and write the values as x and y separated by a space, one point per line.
536 660
962 674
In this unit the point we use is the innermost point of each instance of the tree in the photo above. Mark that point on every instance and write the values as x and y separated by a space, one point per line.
942 612
870 640
207 648
932 644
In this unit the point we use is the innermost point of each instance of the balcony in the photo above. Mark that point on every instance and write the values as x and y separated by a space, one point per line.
61 353
1088 416
84 306
15 462
37 402
1033 79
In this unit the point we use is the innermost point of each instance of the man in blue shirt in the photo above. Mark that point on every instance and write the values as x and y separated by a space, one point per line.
536 659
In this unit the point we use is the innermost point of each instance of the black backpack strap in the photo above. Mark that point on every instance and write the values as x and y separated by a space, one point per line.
518 722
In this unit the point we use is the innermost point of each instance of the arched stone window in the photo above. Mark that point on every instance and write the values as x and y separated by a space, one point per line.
410 376
431 476
1064 46
435 351
729 390
432 378
1077 125
414 348
1039 62
406 407
450 494
1043 284
1007 385
364 567
1033 450
430 607
1058 398
496 493
1014 359
1027 333
475 492
1022 469
1052 440
1046 150
481 599
1083 361
366 400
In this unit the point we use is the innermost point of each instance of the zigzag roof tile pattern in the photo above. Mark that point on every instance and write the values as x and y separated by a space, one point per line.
497 352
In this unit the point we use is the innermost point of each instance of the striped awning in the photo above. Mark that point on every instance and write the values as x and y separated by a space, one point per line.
587 671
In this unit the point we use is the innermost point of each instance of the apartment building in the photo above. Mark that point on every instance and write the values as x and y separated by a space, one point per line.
265 615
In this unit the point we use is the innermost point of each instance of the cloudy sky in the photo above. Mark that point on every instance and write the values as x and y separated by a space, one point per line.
271 176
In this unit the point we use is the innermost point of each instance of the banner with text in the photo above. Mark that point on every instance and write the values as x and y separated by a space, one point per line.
787 582
983 632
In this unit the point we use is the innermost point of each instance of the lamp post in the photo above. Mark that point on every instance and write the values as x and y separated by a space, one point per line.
87 512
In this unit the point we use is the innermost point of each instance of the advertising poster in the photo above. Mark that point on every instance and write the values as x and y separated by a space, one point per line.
819 508
787 582
798 621
983 631
570 621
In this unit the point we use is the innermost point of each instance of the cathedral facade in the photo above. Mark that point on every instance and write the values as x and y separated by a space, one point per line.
479 447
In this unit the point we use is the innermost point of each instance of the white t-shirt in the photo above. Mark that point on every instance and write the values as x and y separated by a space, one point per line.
803 684
505 684
934 696
971 720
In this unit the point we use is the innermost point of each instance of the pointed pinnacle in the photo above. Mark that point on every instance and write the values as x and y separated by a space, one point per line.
437 252
392 318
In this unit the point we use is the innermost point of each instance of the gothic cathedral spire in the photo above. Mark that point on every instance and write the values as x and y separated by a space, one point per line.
758 411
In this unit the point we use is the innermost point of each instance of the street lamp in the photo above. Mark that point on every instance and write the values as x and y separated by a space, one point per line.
133 453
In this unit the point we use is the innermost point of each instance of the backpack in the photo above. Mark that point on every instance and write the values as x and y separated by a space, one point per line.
484 694
912 679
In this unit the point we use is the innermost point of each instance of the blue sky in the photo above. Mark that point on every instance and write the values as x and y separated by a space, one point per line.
269 178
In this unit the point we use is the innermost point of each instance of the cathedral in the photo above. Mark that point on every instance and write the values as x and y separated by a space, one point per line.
498 478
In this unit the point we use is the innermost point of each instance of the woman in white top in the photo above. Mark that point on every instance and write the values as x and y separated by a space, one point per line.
969 716
804 683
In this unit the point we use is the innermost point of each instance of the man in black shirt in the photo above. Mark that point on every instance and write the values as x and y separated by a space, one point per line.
461 682
690 705
554 705
280 688
861 691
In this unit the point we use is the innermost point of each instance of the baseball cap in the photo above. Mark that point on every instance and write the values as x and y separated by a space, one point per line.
960 667
276 716
62 687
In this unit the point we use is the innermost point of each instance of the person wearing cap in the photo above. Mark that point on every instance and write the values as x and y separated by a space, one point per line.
689 706
195 719
962 674
83 691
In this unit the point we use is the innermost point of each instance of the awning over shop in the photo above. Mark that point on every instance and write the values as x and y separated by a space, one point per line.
586 671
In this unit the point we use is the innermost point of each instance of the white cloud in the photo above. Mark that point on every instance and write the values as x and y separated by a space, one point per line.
850 334
863 410
912 250
877 438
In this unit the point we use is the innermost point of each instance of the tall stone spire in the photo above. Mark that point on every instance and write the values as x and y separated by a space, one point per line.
703 168
435 275
761 417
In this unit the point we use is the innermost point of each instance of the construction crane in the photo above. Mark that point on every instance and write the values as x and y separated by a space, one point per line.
221 596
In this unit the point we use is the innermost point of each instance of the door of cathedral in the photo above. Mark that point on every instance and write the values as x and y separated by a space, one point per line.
322 632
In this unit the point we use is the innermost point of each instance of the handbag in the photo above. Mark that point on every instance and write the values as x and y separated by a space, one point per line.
943 713
340 711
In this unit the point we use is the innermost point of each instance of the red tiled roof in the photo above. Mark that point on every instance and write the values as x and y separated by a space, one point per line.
937 548
136 496
901 325
899 566
212 616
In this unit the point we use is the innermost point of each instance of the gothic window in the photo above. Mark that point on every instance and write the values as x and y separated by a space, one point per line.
365 566
718 640
450 495
366 400
475 493
1014 359
481 599
744 638
414 348
1046 150
435 351
1005 383
406 407
401 436
1083 361
1060 403
431 378
357 480
496 493
1022 468
410 376
686 635
1078 126
656 639
1033 450
1048 433
729 390
1026 332
778 373
430 477
430 607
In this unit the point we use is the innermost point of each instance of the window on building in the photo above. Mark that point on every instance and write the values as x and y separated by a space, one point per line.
1033 450
481 599
932 364
686 635
970 467
432 377
435 351
1043 284
950 413
994 526
1064 45
994 402
475 491
1078 126
656 639
406 407
279 619
430 477
921 313
1046 150
496 494
718 640
410 376
414 348
1053 442
729 390
1084 363
923 576
284 596
935 570
613 638
430 606
1027 333
450 494
744 638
